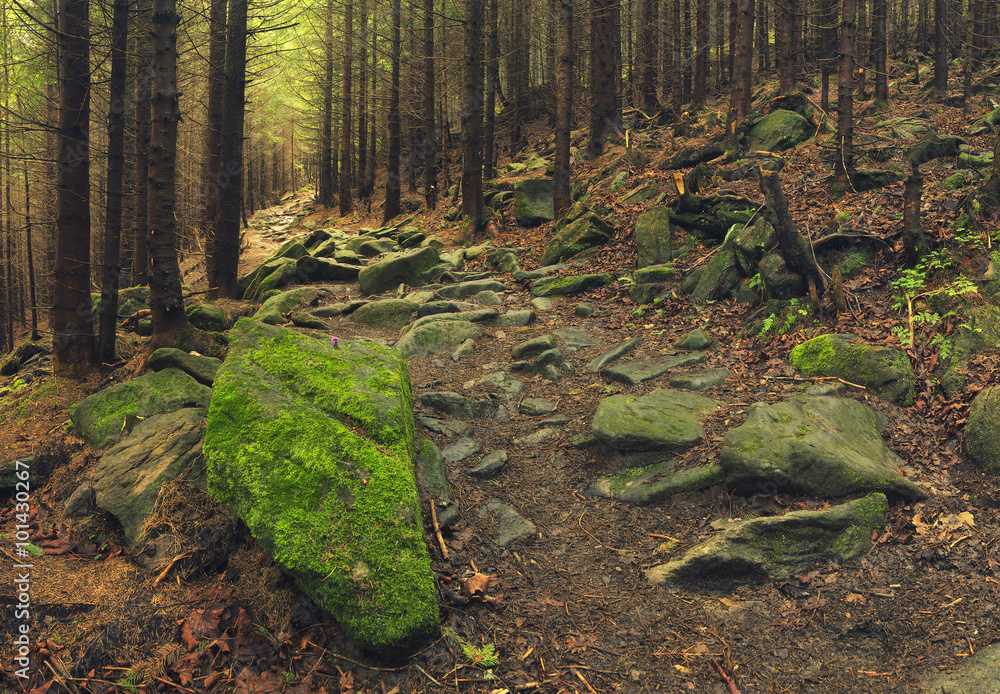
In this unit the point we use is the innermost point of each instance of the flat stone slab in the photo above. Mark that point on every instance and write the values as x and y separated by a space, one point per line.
653 483
511 527
564 286
534 407
461 450
635 372
576 337
662 419
437 336
201 369
445 427
456 405
818 445
518 318
699 380
696 339
616 352
777 547
463 290
490 466
535 345
432 476
536 437
978 674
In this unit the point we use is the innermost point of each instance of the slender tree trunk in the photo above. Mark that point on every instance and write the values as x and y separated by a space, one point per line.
605 120
914 239
517 65
940 45
844 168
346 202
701 63
564 106
743 63
372 111
392 192
227 224
166 301
880 49
326 156
72 325
647 60
213 125
861 50
785 37
28 240
492 82
472 117
362 172
116 162
430 131
143 95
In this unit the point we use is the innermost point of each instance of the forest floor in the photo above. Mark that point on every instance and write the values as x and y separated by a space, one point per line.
571 611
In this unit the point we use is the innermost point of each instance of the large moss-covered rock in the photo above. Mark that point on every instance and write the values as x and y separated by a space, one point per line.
823 446
409 268
533 201
564 286
203 369
101 416
662 419
779 131
652 237
207 317
585 232
313 447
274 309
749 243
775 548
389 314
977 674
981 331
884 370
982 432
433 336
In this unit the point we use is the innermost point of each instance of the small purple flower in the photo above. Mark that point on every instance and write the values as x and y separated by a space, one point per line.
334 342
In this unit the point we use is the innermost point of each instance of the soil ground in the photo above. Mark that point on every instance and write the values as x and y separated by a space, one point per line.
571 611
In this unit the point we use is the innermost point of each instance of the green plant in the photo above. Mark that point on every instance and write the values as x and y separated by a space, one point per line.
290 677
756 283
912 286
768 324
129 681
484 656
628 281
638 311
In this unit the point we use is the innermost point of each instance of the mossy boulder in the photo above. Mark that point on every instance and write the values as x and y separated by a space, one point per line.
979 332
749 244
201 368
100 417
653 237
271 275
585 232
776 547
390 314
982 432
719 277
933 146
273 310
653 483
411 269
313 447
662 419
779 131
564 286
207 317
442 332
533 201
817 445
883 370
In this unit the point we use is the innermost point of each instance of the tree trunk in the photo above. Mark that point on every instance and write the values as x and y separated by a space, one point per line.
743 62
73 348
116 161
861 49
392 192
647 60
472 117
28 241
561 200
213 125
792 246
940 46
785 37
166 302
701 64
880 49
227 224
143 94
430 131
844 168
492 83
604 118
326 184
362 173
914 239
346 202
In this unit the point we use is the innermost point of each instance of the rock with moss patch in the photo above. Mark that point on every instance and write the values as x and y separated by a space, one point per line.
977 674
777 547
884 370
313 447
389 314
778 131
207 317
662 419
509 526
203 369
779 281
413 269
818 445
564 286
432 476
981 331
982 432
100 417
718 278
633 373
750 243
273 310
585 232
653 237
463 290
533 201
654 483
933 146
438 335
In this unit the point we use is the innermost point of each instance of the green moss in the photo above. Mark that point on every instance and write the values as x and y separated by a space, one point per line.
886 371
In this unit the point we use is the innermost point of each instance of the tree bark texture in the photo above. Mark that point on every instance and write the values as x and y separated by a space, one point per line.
792 246
213 125
603 119
564 106
743 61
392 187
346 202
472 116
844 168
940 45
430 131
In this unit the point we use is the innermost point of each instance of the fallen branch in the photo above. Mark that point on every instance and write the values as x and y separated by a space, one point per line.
170 565
437 531
725 678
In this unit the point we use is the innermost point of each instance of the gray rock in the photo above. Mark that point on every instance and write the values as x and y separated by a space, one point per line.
463 290
202 369
11 473
775 548
564 286
522 275
207 317
536 406
463 350
476 316
21 356
616 352
542 303
499 380
884 370
412 269
584 310
274 308
576 337
778 131
516 319
982 432
933 146
696 339
536 437
437 336
456 405
779 281
655 274
433 308
101 416
445 427
503 260
488 298
700 380
273 275
750 244
432 476
817 445
301 319
388 314
717 279
977 674
662 419
635 372
163 454
490 466
584 232
310 445
551 372
652 237
511 527
654 483
535 345
461 450
327 270
553 357
533 201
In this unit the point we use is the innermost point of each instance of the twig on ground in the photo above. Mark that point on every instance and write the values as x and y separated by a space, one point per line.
437 532
725 678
